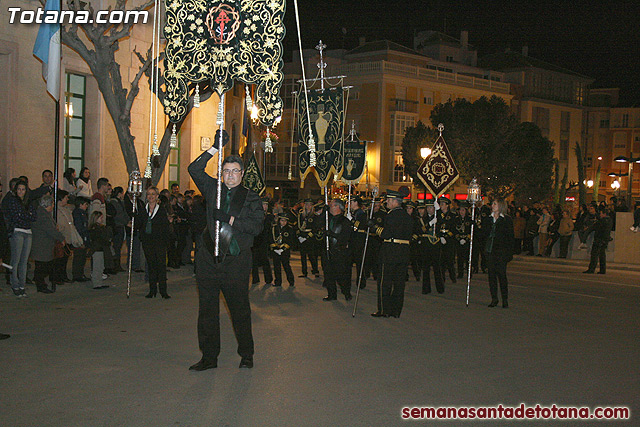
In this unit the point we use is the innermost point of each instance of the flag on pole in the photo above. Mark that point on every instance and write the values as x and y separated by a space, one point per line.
47 50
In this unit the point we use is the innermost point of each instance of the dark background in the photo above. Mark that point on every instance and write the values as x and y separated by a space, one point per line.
599 40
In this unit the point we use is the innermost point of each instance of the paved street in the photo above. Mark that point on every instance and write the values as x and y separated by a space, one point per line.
83 357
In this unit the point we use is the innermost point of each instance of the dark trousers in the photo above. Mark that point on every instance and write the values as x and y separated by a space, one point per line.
309 250
371 264
447 258
414 250
156 256
598 253
463 258
527 244
42 270
391 283
172 254
337 272
564 246
231 276
78 263
282 260
517 249
117 242
357 252
497 269
59 273
431 259
261 259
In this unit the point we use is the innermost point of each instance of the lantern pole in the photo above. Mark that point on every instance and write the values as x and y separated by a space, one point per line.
135 188
473 196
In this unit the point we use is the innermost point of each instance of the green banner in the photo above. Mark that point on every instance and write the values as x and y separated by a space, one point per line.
326 111
252 177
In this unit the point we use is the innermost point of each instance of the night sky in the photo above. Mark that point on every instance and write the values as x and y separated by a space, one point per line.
597 39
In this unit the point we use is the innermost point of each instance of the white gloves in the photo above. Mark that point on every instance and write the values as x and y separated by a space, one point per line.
348 215
443 240
634 229
301 239
433 221
278 251
462 241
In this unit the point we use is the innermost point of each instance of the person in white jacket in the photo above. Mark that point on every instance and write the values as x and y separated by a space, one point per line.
83 184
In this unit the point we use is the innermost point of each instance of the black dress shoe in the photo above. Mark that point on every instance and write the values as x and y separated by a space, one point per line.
588 272
165 296
505 304
601 272
151 294
246 362
203 365
45 290
327 298
66 280
378 314
348 297
493 303
4 336
139 270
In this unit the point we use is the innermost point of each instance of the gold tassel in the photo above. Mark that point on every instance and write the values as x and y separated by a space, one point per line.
155 150
248 101
289 175
147 170
173 142
196 97
268 147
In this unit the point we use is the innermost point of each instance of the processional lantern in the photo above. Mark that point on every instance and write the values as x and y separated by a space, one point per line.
473 192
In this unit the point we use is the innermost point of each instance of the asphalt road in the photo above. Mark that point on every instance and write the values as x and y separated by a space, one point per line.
84 357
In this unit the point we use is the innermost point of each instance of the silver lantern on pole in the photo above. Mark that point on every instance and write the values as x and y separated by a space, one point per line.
135 188
473 196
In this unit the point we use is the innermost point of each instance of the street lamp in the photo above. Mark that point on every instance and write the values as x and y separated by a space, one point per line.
590 183
425 152
631 160
473 197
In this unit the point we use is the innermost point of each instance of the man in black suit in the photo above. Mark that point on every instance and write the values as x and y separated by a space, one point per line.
241 219
601 237
394 256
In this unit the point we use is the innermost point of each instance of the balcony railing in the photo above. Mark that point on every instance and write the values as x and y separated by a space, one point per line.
361 68
403 105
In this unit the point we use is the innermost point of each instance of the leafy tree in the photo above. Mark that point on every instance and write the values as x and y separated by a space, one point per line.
414 139
487 142
582 187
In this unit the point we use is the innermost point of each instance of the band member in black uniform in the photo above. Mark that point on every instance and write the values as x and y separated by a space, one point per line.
241 219
282 240
307 223
463 236
414 247
337 261
359 237
318 233
260 249
394 256
429 241
371 264
446 230
601 237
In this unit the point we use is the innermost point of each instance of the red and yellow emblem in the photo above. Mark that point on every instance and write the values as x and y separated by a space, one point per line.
223 22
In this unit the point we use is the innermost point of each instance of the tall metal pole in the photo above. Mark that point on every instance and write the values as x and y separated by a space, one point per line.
473 223
364 255
56 154
220 123
133 224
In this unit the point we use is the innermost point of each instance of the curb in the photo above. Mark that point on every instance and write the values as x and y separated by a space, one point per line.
573 263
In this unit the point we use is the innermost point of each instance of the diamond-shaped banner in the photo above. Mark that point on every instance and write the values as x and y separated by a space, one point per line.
438 171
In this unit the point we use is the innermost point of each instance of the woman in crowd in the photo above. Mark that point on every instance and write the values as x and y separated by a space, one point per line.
519 225
565 230
154 235
45 237
543 230
499 251
81 222
100 241
19 215
83 184
69 182
71 236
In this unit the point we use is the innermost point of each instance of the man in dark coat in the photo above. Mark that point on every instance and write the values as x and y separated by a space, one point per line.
307 222
282 239
394 256
601 237
426 228
241 219
446 230
371 264
358 237
337 261
260 249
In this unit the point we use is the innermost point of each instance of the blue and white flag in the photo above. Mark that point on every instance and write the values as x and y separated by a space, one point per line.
47 50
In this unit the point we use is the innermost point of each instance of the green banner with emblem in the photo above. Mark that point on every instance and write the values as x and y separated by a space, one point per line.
326 113
252 177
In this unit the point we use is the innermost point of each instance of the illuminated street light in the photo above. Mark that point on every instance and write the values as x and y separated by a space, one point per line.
425 152
631 160
615 184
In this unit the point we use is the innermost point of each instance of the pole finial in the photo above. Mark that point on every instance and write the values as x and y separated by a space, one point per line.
440 128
